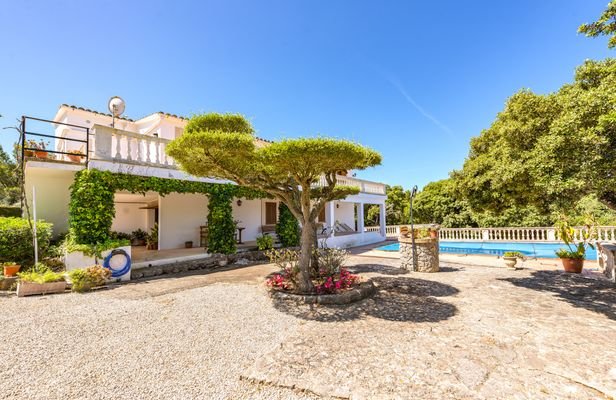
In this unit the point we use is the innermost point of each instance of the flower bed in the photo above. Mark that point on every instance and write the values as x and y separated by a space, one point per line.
333 283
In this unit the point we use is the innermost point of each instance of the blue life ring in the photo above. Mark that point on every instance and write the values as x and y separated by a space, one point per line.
116 273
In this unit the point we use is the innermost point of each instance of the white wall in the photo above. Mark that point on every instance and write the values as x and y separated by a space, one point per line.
180 216
129 217
52 193
345 213
249 213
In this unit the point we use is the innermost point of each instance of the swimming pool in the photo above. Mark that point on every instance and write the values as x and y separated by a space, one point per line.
539 250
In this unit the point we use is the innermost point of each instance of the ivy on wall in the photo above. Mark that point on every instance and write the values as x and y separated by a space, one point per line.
287 227
91 208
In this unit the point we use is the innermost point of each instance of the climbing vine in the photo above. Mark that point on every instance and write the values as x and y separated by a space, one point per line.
287 227
91 208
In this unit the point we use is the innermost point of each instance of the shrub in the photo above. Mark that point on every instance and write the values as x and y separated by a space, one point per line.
85 279
287 227
221 226
120 236
92 250
8 211
16 240
139 234
40 273
265 242
330 261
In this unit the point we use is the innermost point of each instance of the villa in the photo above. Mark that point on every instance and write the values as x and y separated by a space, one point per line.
84 138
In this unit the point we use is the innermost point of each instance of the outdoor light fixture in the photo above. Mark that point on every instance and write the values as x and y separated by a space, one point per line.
337 205
239 202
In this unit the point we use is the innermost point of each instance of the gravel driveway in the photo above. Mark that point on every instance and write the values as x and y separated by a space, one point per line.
466 332
184 345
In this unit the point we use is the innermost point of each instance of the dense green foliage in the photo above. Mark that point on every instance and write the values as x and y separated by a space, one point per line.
7 211
438 203
84 279
91 208
40 273
221 226
265 242
16 240
9 179
604 26
287 227
288 170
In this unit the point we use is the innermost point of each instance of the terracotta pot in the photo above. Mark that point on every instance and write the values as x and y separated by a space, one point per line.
434 234
11 270
76 158
40 154
573 265
28 153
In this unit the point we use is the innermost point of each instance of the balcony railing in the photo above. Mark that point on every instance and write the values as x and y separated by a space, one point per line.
529 234
129 147
362 185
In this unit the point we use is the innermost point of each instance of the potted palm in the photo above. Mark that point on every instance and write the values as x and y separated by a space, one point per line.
152 239
572 257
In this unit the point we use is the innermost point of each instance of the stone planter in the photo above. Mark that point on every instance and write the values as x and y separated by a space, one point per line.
427 254
7 282
364 290
31 288
510 262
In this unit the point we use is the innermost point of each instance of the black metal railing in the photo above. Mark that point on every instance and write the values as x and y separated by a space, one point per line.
33 149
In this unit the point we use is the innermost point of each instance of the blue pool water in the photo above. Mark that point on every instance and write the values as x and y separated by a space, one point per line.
539 250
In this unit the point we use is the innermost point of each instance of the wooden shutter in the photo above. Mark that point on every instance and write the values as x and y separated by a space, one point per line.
322 215
270 213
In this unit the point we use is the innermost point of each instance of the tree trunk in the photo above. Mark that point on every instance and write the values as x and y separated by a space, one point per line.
305 260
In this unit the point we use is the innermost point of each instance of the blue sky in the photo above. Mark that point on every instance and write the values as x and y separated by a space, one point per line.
413 79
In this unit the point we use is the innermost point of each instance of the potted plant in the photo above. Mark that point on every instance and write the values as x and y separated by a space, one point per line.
152 239
40 280
572 257
433 233
75 156
511 258
11 268
265 242
39 148
84 279
139 237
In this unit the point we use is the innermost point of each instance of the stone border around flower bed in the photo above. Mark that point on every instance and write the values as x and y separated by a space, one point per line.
210 263
364 290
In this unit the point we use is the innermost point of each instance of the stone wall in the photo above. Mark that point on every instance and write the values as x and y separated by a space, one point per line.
427 254
209 263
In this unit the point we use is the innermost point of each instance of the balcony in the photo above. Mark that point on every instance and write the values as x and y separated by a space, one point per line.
147 154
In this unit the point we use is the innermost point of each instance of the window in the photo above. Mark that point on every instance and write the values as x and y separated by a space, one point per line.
271 211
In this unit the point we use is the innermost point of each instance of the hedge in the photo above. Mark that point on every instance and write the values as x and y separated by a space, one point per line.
16 240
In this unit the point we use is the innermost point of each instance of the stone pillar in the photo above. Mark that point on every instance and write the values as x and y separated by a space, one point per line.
427 254
360 217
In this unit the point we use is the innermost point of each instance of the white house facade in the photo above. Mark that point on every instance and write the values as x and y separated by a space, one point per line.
138 147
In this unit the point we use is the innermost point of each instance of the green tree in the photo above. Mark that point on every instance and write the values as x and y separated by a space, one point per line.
9 179
439 203
397 205
299 172
604 26
545 152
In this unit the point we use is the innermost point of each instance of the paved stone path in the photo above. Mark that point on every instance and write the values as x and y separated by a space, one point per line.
464 333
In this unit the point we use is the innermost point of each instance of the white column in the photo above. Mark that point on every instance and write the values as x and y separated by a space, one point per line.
382 219
360 217
329 216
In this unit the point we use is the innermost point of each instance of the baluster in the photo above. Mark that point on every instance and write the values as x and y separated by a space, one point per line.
128 148
117 139
139 153
147 146
157 150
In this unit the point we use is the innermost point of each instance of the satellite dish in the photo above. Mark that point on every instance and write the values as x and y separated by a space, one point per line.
116 106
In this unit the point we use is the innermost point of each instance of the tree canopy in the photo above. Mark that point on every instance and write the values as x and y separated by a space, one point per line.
299 172
547 151
9 179
604 26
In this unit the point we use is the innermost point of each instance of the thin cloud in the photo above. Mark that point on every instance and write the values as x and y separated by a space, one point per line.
418 107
